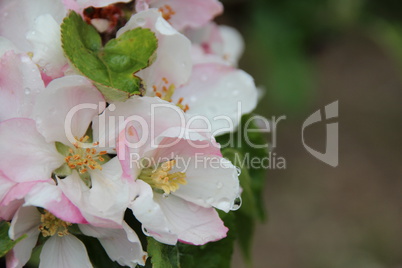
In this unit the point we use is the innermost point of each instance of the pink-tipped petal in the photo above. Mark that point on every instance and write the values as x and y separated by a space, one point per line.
51 197
20 83
188 13
193 224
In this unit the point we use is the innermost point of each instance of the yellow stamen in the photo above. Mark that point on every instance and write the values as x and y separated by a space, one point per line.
84 158
160 178
166 94
50 225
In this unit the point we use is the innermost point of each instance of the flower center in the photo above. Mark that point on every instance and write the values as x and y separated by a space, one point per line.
160 178
167 12
166 93
83 159
50 225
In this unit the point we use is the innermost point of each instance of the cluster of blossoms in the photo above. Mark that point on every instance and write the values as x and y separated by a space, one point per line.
73 162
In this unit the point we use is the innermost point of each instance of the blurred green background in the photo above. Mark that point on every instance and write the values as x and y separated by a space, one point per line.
307 54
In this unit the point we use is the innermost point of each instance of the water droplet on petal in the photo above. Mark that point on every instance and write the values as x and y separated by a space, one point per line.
210 200
238 171
140 21
27 91
236 204
219 185
193 207
145 231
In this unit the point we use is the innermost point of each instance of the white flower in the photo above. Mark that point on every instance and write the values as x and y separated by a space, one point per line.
64 250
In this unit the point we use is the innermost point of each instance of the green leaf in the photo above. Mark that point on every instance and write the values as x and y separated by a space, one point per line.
113 66
6 244
212 255
162 256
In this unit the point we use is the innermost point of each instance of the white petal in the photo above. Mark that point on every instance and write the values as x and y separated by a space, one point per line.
64 252
149 213
219 90
6 45
211 181
25 155
66 108
45 38
25 222
233 44
193 224
18 16
108 198
121 245
173 53
27 219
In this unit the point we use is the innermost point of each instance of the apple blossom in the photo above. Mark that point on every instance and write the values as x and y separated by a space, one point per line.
172 203
62 248
81 171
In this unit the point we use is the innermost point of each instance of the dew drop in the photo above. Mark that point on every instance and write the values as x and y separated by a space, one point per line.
27 91
193 207
140 21
238 171
210 200
236 204
219 185
145 231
